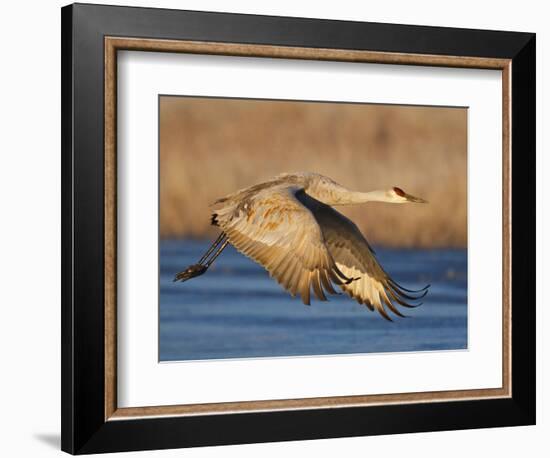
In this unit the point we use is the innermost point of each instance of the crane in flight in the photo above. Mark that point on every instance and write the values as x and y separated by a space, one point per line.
288 226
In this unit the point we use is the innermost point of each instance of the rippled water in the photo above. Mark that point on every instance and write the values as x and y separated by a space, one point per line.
236 310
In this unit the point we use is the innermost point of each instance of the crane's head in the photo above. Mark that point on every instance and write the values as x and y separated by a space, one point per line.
398 196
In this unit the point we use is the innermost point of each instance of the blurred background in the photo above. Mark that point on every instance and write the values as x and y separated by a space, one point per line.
210 147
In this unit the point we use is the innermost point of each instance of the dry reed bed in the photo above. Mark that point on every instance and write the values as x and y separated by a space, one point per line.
211 147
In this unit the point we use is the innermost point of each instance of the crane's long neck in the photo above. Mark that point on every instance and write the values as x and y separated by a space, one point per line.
355 197
339 195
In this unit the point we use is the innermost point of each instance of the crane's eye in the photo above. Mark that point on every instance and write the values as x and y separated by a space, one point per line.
399 191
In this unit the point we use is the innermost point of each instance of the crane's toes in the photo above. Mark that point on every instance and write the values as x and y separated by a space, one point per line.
192 271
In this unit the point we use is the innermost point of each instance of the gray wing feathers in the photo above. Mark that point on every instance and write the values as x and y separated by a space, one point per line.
276 230
356 259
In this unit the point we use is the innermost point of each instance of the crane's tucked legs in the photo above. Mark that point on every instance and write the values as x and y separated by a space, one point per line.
205 261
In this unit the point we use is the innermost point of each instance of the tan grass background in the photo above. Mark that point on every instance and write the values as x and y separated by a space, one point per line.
212 147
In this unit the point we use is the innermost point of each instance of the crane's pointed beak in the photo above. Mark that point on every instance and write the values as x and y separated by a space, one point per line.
414 199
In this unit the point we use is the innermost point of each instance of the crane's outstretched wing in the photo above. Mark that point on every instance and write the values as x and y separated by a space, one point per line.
355 258
279 232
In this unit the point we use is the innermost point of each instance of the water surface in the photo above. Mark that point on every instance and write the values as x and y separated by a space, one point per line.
236 310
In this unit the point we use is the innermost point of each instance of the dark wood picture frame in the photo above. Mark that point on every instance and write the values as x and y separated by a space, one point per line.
91 37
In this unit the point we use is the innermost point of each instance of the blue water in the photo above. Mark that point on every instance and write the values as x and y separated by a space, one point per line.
236 310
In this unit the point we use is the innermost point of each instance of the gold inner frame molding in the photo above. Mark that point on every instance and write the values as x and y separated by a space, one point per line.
114 44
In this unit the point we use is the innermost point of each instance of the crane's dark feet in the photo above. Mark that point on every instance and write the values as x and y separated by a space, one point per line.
192 271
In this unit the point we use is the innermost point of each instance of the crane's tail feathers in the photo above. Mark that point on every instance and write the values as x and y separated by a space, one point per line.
214 219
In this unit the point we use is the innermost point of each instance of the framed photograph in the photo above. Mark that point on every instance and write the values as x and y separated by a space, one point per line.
282 228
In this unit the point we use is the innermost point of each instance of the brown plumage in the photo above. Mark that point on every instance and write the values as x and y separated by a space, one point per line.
288 226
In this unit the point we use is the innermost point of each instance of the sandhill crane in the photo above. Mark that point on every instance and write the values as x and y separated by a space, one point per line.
288 226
